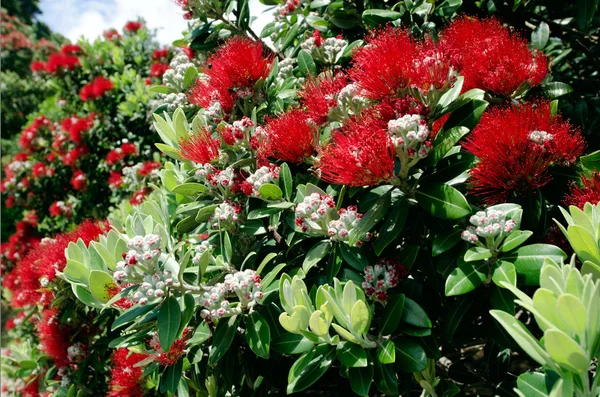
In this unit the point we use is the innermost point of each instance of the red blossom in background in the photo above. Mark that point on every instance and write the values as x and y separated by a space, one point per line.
115 179
37 66
383 66
96 89
492 58
290 137
111 34
235 66
79 180
139 196
117 155
59 208
132 26
39 170
516 145
158 69
76 126
200 147
71 50
71 157
125 377
587 192
59 62
148 167
319 95
54 339
175 352
360 154
160 54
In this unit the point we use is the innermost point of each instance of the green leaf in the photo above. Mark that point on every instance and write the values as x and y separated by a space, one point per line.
315 254
477 254
540 36
515 239
443 201
376 17
522 336
354 256
205 213
270 192
258 334
528 260
351 354
75 272
534 384
504 272
386 352
306 65
361 379
445 140
591 161
100 284
583 243
392 314
309 368
572 313
385 378
172 376
454 316
222 338
414 314
565 351
190 189
132 314
168 322
392 226
466 277
370 218
190 75
201 334
286 181
556 89
444 241
187 224
467 116
160 89
287 343
410 356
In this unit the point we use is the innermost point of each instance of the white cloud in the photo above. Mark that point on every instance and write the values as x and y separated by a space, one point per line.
89 18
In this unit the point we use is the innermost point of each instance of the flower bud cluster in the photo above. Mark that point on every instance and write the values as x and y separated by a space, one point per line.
540 137
239 133
327 50
286 69
214 178
175 75
409 135
263 175
76 352
339 229
144 252
288 7
153 287
245 285
351 98
386 274
226 215
491 225
200 249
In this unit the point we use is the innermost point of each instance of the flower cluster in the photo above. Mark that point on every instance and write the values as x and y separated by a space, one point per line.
96 89
327 50
245 285
174 79
120 153
226 215
75 127
381 277
263 175
587 192
176 351
410 135
491 226
58 62
142 256
60 208
126 375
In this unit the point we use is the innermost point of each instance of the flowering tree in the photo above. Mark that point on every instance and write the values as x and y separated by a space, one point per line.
348 209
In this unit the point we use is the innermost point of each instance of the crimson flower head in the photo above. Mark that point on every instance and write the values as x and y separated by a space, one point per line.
54 338
111 34
37 66
71 157
160 54
231 73
492 58
587 192
516 145
58 62
76 126
200 147
175 352
319 95
360 154
125 376
148 167
79 180
115 180
434 67
96 89
71 50
290 137
158 69
133 26
383 66
139 196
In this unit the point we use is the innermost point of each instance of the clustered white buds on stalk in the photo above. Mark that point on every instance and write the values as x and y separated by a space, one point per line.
386 274
410 134
540 137
288 7
141 258
153 287
200 249
316 214
174 79
351 99
286 69
226 215
490 225
214 178
245 285
263 175
76 352
239 134
326 51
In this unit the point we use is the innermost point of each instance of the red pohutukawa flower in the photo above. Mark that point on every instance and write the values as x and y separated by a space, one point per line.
382 67
58 62
175 352
290 137
148 167
434 67
516 145
54 339
37 66
132 26
120 153
139 196
360 154
319 95
76 126
96 89
232 71
587 192
125 377
158 69
79 180
492 58
200 147
115 179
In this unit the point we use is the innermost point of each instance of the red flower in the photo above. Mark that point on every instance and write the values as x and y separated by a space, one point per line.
96 89
139 196
235 66
125 377
382 68
73 155
54 339
79 180
148 167
59 208
290 137
112 34
200 148
516 145
39 169
588 192
115 180
75 126
434 67
319 96
175 352
491 58
360 154
160 54
133 26
189 52
116 155
37 66
58 62
158 69
71 50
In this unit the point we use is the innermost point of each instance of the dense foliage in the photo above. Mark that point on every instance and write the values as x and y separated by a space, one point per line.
349 207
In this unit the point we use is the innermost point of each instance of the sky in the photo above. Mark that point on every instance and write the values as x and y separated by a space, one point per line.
89 18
